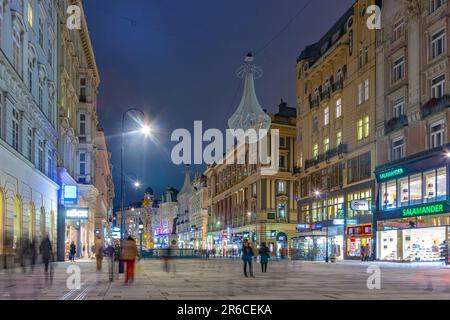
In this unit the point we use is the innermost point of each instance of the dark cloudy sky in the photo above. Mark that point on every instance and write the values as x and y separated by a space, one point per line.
176 60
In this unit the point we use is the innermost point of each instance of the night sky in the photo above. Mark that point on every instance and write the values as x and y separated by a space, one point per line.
176 60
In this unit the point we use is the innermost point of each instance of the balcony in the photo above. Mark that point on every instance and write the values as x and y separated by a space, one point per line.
338 85
342 148
395 124
314 103
325 95
435 105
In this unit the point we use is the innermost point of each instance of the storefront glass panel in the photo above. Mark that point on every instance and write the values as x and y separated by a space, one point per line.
415 189
403 188
430 186
441 181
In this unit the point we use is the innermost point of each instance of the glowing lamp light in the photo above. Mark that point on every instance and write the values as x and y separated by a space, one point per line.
146 130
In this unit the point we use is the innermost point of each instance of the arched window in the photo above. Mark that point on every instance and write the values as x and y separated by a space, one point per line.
17 229
18 28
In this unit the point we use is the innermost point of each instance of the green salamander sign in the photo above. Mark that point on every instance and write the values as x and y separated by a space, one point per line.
390 174
423 210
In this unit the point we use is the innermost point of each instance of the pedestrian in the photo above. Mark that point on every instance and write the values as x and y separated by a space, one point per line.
247 257
33 254
72 251
264 256
363 253
99 248
367 252
46 252
129 254
24 254
110 253
84 250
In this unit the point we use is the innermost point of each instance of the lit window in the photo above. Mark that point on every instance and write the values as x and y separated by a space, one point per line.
438 44
338 108
326 144
438 86
281 187
338 138
359 129
366 127
415 189
390 195
82 164
282 211
315 151
30 13
326 116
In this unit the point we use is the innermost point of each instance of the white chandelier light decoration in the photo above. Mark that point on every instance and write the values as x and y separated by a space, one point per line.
249 114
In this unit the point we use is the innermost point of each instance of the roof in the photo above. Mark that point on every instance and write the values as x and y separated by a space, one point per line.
314 51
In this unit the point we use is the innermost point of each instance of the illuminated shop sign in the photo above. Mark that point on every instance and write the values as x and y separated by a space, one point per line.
77 214
360 205
423 210
338 222
364 230
70 195
390 174
302 226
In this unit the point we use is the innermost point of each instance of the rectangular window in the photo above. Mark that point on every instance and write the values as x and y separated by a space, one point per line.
398 147
83 89
41 155
282 142
436 4
437 44
359 129
315 123
338 108
366 90
390 195
30 13
415 189
338 138
281 188
282 211
360 93
398 108
326 116
254 190
437 134
82 164
441 184
398 71
30 76
360 195
30 144
49 165
398 28
359 168
82 124
326 144
365 126
41 96
430 186
360 58
315 151
403 187
41 32
15 129
282 162
438 86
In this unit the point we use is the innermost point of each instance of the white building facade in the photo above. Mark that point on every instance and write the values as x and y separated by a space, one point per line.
28 134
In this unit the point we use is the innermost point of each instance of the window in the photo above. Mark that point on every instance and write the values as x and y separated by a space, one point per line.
338 108
315 123
82 163
82 124
338 138
363 91
398 108
50 110
30 13
30 75
390 195
398 29
41 32
326 116
360 195
30 144
398 71
365 126
281 188
315 151
430 186
403 187
282 162
1 25
359 129
282 211
362 127
316 211
17 50
359 168
437 44
41 96
366 90
441 184
366 55
398 147
333 208
415 189
437 134
282 142
438 86
360 58
254 190
326 144
49 164
82 88
15 129
41 155
436 4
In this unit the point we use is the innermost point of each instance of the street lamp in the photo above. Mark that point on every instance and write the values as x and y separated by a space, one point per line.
141 231
317 193
144 129
137 184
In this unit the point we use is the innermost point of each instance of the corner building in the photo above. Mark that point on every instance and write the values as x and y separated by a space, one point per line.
413 213
336 140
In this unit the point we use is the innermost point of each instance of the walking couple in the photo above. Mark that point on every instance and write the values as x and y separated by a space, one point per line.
247 257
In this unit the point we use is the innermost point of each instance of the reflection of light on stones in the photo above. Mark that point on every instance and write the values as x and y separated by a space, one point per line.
249 114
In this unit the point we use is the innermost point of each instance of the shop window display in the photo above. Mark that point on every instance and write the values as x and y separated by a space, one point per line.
404 192
390 195
441 182
415 189
430 186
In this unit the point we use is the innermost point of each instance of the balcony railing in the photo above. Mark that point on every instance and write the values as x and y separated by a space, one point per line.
342 148
435 105
325 95
314 103
338 85
395 124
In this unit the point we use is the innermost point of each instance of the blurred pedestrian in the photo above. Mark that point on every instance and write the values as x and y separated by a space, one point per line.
247 257
99 248
110 254
264 256
363 253
46 252
129 254
72 251
24 254
33 254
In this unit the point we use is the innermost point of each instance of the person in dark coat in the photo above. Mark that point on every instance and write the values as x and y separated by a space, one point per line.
247 257
33 253
264 253
46 252
72 251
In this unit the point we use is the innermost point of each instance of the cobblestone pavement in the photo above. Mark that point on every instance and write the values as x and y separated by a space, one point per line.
223 279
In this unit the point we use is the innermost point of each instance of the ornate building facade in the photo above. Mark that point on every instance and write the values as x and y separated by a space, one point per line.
28 125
